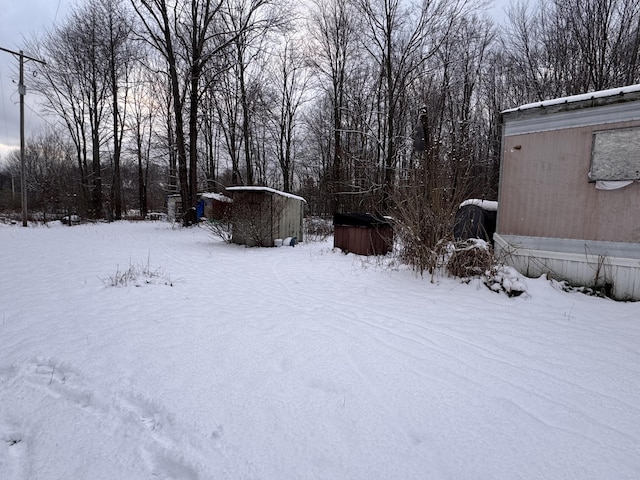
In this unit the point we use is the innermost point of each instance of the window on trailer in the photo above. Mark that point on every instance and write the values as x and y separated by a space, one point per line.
615 155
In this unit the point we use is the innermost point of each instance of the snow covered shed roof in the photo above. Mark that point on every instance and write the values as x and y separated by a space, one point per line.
264 189
488 205
216 196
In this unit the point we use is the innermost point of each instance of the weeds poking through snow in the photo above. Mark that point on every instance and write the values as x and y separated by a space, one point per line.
138 275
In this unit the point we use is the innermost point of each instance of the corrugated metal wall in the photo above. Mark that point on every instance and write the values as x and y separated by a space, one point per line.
289 223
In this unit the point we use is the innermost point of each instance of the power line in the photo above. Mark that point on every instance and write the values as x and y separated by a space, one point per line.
55 17
4 106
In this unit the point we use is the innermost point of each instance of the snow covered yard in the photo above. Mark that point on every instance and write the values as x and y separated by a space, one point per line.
298 363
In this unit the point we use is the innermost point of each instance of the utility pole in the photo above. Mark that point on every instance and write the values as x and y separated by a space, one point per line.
22 90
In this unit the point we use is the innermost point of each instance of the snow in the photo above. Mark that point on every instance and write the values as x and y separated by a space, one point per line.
225 362
216 196
265 189
489 205
578 98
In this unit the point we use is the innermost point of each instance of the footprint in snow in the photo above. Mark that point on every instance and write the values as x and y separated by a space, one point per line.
61 381
148 413
170 465
13 454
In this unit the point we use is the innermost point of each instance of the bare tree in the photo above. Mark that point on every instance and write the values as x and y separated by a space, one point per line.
185 35
141 121
333 27
119 54
193 36
567 47
400 37
49 168
607 34
88 59
75 86
251 21
228 110
290 86
451 144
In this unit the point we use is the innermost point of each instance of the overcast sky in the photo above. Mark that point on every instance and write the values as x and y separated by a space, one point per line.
20 21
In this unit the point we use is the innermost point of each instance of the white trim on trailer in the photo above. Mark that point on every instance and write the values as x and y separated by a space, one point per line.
612 92
542 121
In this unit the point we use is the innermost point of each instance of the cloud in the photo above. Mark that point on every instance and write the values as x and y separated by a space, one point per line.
20 21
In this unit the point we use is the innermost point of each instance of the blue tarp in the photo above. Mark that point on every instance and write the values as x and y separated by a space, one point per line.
200 210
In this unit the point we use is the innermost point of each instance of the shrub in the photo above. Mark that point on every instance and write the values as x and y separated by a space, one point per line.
470 258
219 228
317 229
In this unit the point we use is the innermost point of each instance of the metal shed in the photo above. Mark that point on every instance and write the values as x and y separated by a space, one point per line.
261 215
569 192
362 233
174 207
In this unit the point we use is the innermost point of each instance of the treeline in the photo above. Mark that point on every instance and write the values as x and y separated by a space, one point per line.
383 106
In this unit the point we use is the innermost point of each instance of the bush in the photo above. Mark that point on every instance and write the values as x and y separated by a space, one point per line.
470 258
317 229
474 258
219 228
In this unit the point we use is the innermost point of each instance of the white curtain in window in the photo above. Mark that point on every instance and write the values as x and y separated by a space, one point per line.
612 184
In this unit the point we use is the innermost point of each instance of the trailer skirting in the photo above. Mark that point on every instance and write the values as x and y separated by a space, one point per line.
614 267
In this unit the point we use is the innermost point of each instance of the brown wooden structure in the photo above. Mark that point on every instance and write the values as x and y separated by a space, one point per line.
362 234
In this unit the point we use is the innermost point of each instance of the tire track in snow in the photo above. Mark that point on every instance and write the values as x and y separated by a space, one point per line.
486 353
425 342
413 340
476 372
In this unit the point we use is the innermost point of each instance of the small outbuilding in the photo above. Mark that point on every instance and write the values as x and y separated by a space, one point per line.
214 206
174 207
569 195
362 233
262 215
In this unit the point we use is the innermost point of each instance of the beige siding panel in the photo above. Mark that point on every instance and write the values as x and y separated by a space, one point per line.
545 192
